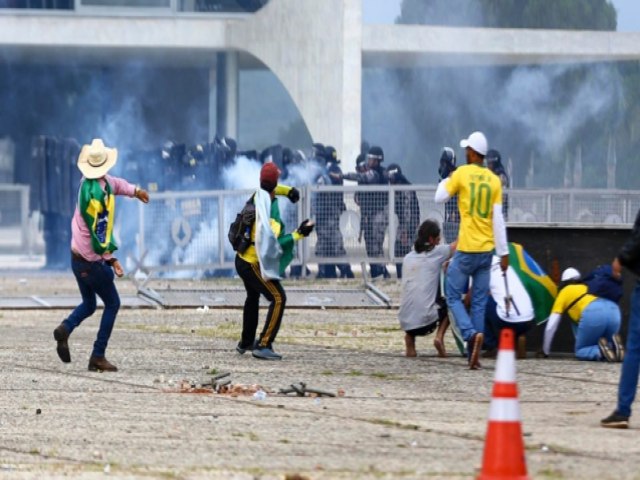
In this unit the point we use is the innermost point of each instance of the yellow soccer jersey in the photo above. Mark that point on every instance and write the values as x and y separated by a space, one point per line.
478 191
567 296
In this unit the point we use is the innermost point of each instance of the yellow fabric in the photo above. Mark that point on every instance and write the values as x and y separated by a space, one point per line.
95 209
567 295
478 190
272 320
282 190
250 255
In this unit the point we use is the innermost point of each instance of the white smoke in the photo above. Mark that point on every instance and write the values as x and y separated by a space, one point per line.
531 96
125 126
243 174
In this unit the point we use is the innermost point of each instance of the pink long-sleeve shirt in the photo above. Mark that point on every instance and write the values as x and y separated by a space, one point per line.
80 235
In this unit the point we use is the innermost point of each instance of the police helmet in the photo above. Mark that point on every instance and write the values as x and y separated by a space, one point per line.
376 153
330 154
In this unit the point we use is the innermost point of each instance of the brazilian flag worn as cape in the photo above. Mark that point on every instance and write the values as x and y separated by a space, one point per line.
97 207
538 284
285 239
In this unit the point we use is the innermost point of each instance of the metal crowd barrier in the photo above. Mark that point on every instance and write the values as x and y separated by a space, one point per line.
187 231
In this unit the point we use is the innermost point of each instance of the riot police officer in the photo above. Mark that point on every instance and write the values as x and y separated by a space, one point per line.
494 163
328 209
373 208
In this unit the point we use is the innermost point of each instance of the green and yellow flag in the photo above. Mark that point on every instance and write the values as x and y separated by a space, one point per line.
538 284
97 208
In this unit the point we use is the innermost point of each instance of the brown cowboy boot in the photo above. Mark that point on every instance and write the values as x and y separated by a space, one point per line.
61 336
101 364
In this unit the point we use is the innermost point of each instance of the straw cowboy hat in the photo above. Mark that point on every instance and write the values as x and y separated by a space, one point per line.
96 160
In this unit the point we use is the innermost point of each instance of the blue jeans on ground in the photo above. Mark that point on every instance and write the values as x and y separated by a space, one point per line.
601 318
463 266
95 278
631 362
494 325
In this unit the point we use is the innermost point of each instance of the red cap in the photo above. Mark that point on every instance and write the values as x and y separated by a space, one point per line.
269 175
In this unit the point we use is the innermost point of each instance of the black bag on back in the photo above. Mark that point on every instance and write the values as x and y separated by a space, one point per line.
240 229
601 283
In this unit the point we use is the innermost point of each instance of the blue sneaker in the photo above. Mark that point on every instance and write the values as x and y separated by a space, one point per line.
266 354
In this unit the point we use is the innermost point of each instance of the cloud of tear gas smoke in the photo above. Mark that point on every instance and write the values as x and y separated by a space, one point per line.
387 121
125 125
523 111
526 112
549 115
243 174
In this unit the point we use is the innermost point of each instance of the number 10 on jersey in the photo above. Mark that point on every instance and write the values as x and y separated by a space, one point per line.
480 202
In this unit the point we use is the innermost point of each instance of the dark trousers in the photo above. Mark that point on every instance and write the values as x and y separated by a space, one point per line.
494 325
255 285
95 278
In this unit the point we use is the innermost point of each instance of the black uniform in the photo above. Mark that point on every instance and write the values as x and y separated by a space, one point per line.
328 209
373 211
494 163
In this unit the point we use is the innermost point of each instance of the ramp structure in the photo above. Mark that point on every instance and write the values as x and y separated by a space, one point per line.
222 297
235 297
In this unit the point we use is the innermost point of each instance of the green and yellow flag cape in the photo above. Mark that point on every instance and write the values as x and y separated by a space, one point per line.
538 284
97 208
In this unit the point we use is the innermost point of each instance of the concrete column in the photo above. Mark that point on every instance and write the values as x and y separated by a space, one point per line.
232 89
224 88
213 102
316 52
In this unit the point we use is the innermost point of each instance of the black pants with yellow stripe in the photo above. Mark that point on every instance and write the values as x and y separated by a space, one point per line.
273 291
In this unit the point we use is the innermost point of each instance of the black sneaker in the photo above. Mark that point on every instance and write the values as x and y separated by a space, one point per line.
618 345
606 351
615 421
241 350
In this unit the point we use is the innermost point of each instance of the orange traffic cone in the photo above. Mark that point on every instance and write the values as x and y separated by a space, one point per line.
504 449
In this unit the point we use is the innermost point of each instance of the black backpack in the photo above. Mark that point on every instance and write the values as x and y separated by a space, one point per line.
240 229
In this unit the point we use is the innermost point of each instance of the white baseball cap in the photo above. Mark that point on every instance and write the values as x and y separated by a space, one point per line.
570 274
476 141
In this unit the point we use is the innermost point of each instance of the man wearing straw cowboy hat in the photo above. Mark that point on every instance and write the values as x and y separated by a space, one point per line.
92 247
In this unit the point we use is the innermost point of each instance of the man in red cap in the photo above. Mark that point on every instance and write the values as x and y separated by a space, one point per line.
261 266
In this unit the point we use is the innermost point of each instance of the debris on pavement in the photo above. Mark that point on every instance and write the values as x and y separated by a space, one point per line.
301 390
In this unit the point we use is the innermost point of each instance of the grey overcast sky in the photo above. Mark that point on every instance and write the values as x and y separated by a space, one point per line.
386 11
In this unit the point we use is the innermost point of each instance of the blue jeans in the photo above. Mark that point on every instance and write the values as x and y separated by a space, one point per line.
95 278
631 363
463 266
601 318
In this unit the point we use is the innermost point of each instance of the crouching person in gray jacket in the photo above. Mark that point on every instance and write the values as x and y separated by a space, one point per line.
422 307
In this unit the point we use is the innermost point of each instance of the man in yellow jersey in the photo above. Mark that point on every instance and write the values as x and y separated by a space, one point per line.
261 266
482 230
